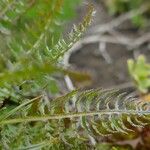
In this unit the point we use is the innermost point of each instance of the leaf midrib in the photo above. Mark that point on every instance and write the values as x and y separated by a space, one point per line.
73 115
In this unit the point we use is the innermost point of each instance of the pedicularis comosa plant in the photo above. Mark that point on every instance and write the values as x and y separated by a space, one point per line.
33 113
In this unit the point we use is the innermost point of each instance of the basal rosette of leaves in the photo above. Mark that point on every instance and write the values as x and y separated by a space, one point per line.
33 113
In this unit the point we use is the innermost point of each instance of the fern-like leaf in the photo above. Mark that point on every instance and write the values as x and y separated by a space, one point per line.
64 45
98 112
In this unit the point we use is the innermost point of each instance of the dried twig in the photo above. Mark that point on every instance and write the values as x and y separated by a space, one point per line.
102 49
119 20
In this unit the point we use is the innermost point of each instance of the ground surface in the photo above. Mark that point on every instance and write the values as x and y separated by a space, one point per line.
89 58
